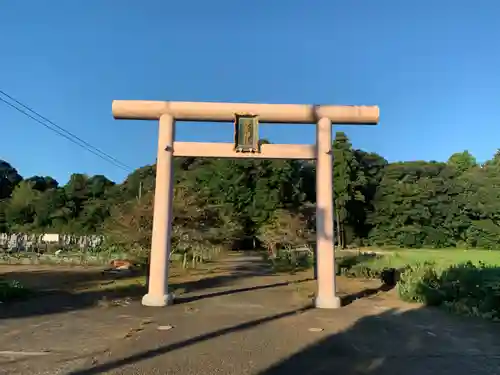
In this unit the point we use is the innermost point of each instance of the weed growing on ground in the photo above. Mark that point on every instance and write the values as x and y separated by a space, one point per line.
12 290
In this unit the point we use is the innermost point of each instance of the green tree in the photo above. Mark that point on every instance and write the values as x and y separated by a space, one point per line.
9 178
51 211
98 185
77 193
348 184
372 166
462 161
20 210
43 183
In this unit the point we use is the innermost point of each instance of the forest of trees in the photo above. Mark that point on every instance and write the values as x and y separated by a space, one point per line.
250 203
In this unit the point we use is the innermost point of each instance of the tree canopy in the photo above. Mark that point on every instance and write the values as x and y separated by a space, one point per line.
250 203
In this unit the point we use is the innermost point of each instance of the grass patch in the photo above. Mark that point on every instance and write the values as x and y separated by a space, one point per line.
441 257
374 265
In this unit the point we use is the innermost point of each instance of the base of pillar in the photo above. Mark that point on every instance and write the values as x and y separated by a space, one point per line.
157 301
330 302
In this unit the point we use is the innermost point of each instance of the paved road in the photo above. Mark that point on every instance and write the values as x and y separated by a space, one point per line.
254 325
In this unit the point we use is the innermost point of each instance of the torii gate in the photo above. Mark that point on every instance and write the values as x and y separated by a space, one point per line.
246 117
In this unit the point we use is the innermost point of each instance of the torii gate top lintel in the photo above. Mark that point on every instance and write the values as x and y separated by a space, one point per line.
224 112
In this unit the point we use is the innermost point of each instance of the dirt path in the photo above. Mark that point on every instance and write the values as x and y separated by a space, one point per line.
244 320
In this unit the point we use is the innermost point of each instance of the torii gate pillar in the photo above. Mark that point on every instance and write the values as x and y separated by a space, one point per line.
168 112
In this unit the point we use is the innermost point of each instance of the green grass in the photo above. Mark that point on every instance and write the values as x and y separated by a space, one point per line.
369 266
442 258
449 257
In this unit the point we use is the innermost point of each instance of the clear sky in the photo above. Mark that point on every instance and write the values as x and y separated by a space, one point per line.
432 66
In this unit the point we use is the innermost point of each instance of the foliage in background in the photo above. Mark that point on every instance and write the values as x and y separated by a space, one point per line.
245 204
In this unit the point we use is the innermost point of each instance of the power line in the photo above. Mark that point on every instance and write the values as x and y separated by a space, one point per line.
82 145
64 133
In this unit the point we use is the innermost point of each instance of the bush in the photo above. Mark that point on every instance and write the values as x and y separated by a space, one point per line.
419 283
11 289
465 288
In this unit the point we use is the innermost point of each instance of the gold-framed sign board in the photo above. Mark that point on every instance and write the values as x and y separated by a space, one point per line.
246 133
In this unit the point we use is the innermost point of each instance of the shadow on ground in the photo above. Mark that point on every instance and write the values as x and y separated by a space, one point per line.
396 343
183 344
367 292
59 293
391 343
49 278
399 343
60 301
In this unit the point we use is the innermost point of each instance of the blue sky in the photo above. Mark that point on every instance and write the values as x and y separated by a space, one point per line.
432 66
